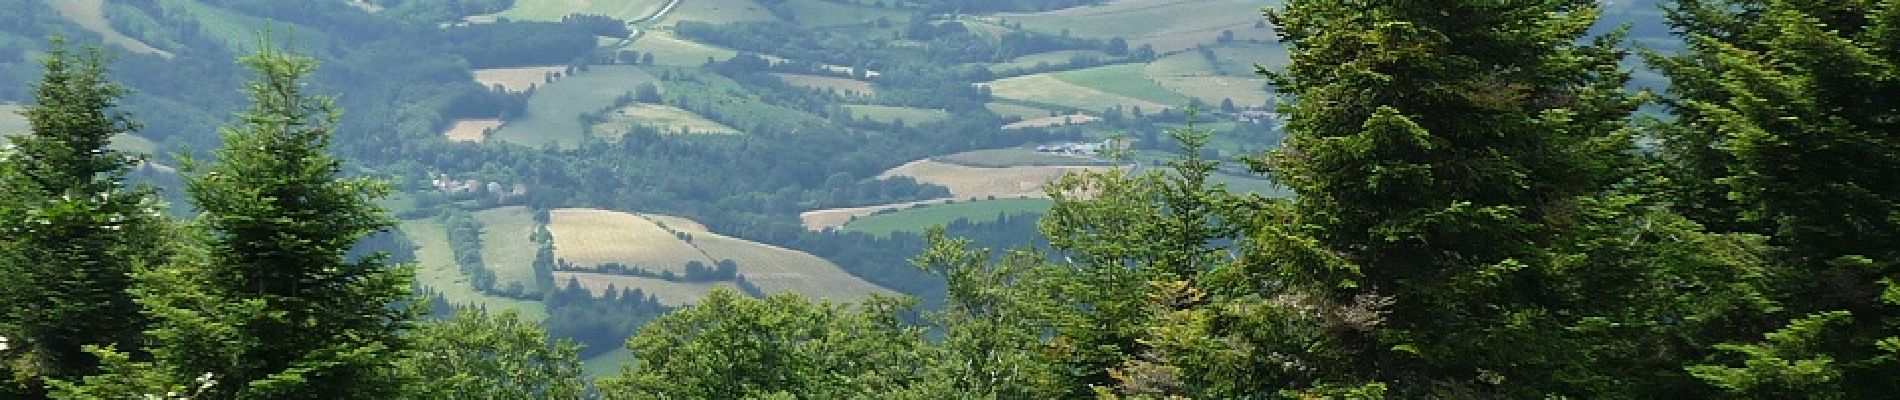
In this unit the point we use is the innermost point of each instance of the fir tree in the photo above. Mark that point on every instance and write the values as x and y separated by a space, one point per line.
1790 106
71 231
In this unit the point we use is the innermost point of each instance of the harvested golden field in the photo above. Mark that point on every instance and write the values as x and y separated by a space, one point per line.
588 237
91 14
669 293
554 10
516 79
775 269
602 236
842 85
819 220
667 119
470 130
1047 122
977 183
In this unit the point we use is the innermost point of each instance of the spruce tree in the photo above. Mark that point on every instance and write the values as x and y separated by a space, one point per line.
71 230
1472 161
1792 104
271 307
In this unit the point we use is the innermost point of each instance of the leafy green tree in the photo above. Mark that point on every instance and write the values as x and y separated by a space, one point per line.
270 307
730 346
71 231
1789 106
473 355
993 325
1473 162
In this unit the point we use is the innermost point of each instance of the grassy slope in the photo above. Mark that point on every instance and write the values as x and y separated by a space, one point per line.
887 114
554 111
1123 79
827 13
1047 89
1168 25
436 269
841 85
917 219
90 14
671 50
717 11
505 245
665 118
553 10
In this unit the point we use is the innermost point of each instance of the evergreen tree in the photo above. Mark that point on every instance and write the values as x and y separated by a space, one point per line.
71 231
1788 120
1472 160
270 307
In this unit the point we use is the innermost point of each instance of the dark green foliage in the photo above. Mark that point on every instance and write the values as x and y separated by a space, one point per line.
1471 160
473 355
292 317
731 347
1787 127
71 232
599 324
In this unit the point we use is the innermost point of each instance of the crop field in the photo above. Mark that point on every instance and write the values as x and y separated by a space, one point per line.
775 269
967 182
842 85
672 294
665 118
470 130
1047 89
1010 109
888 114
1045 122
602 236
554 111
1167 25
820 220
587 238
516 79
436 269
718 12
1053 58
553 10
505 245
917 219
671 50
90 14
1128 80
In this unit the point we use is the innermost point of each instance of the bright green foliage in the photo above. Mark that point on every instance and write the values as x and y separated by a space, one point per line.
476 356
1472 162
71 233
734 347
270 307
1793 104
993 323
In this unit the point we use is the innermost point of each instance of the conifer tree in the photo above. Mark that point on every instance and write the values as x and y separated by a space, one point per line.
1792 105
1473 161
270 306
71 231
